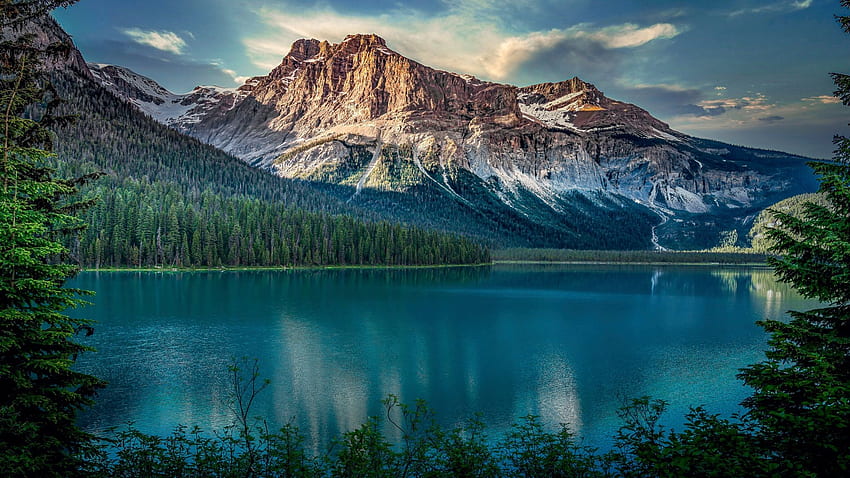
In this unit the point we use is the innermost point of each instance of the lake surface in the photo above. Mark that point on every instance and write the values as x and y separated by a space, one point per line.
565 342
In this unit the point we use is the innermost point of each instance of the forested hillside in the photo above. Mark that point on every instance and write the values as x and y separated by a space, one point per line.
169 200
766 220
153 224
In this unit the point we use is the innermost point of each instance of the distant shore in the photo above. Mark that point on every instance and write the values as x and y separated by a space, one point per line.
512 256
571 256
272 268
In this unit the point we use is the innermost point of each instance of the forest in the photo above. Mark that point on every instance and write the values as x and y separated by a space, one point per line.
136 224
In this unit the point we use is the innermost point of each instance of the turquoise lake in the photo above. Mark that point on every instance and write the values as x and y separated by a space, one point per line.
566 342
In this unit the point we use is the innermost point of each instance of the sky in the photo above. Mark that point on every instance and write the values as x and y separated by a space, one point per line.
748 72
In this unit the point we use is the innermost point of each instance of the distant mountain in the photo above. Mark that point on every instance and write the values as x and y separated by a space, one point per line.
177 111
554 164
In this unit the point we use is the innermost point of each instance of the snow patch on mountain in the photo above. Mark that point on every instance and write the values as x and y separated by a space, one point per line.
560 117
176 110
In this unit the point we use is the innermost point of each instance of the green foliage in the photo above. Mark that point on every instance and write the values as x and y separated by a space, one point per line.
426 450
464 452
14 12
40 393
707 446
530 451
728 238
153 225
365 453
795 206
801 398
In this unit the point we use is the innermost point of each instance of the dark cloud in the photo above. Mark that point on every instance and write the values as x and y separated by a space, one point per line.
771 119
667 101
584 57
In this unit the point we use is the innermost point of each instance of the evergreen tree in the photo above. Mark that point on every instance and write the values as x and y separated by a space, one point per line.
801 398
40 393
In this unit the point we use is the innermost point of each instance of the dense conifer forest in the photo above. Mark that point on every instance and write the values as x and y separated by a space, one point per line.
152 224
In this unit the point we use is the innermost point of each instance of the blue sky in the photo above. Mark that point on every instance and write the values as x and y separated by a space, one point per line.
751 72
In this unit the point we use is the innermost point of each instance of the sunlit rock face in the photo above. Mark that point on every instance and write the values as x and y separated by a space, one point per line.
356 113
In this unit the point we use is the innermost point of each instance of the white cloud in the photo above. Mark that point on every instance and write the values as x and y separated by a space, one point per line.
514 51
823 99
783 6
237 78
467 38
629 35
755 111
753 103
161 40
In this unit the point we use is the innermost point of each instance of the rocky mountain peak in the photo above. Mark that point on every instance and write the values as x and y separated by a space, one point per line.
551 158
554 90
578 105
571 95
320 86
312 50
304 49
359 42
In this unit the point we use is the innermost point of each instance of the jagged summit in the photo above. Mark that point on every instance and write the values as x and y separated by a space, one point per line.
305 49
365 39
554 164
576 104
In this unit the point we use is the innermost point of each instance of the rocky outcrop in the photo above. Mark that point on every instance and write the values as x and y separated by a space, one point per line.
44 32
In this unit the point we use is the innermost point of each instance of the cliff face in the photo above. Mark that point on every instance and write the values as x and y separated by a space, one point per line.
357 114
43 32
321 88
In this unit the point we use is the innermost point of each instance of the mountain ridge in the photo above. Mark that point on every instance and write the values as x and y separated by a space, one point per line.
358 115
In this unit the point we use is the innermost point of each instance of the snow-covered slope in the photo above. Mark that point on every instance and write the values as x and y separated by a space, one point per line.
175 110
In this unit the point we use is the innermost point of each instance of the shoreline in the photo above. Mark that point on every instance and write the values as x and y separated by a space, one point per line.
273 268
632 263
436 266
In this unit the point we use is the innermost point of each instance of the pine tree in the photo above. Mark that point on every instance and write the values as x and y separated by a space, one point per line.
801 399
40 393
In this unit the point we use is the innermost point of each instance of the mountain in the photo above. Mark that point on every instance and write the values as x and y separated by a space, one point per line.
554 164
167 199
177 111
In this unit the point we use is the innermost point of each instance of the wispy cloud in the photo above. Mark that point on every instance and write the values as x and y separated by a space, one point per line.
823 99
668 99
461 39
777 7
237 78
627 35
759 111
161 40
757 102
